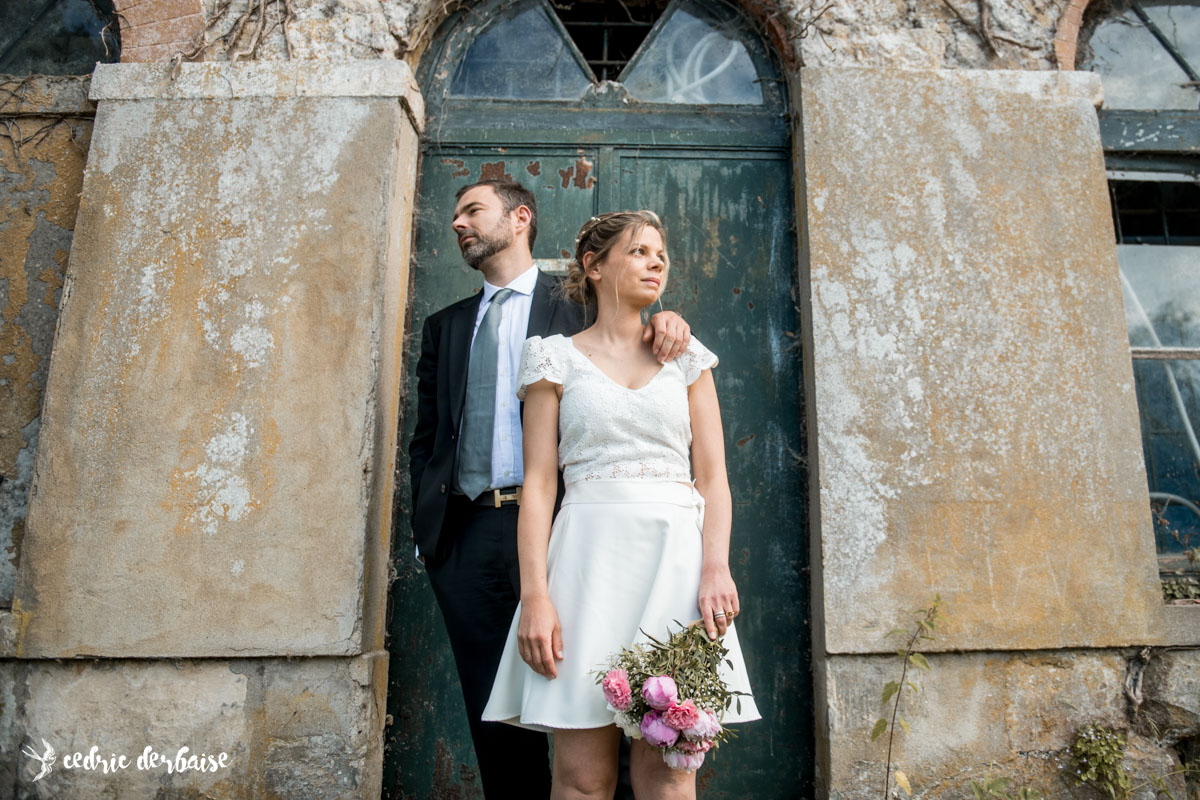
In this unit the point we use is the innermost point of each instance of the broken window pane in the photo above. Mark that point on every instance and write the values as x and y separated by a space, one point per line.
523 54
1156 212
609 32
1162 295
692 57
1161 286
1168 394
1138 72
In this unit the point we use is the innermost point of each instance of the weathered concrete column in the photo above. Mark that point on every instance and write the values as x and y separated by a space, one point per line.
976 430
215 469
47 121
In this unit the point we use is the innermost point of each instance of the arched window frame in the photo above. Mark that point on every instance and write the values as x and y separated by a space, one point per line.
606 109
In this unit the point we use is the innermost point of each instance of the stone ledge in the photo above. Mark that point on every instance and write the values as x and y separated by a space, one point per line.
1035 84
8 634
308 728
982 715
1182 624
49 95
283 79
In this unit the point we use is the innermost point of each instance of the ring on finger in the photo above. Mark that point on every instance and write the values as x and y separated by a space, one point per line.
720 614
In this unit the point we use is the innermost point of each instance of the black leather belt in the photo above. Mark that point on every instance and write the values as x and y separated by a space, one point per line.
495 498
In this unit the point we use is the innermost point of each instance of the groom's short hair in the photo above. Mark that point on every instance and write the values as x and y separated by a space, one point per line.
511 194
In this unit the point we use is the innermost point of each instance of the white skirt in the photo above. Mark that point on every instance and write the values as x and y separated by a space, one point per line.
624 557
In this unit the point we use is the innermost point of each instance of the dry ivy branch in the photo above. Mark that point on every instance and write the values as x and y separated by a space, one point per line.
805 21
256 11
14 92
111 27
983 29
11 130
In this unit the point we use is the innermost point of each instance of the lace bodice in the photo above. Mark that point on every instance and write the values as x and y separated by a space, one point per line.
609 432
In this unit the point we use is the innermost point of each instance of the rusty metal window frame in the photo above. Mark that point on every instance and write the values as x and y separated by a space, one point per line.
1158 146
1170 565
1158 353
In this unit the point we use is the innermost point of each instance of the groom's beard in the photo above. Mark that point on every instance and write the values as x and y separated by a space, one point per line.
487 244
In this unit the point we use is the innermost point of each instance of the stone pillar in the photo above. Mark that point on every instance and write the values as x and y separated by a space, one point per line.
976 430
46 123
215 473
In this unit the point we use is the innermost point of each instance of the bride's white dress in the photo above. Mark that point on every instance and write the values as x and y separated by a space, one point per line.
625 549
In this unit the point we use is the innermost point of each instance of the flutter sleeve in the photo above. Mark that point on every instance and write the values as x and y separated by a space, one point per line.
695 360
540 360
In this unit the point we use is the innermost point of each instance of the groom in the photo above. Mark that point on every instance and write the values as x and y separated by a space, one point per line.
466 461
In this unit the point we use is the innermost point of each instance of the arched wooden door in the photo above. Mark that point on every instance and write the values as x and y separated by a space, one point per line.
697 131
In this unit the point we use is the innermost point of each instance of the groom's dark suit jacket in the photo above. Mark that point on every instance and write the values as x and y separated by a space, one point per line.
441 390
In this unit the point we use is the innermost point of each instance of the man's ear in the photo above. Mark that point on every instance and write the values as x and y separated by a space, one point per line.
521 218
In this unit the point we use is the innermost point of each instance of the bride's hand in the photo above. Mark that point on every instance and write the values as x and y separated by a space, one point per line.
718 599
539 636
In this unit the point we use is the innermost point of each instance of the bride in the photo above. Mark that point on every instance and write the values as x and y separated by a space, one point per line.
637 545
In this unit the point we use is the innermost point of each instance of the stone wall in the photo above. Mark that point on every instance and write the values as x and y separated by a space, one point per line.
155 30
45 127
214 465
215 469
897 33
1011 714
976 433
306 728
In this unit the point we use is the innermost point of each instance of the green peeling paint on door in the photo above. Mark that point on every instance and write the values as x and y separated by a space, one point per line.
722 183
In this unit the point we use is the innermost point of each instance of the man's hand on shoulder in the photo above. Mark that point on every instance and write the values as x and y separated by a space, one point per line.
670 335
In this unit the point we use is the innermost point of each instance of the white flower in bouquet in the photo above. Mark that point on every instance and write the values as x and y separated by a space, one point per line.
670 695
628 724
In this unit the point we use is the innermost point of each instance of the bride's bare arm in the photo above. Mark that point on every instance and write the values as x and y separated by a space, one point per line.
539 636
717 591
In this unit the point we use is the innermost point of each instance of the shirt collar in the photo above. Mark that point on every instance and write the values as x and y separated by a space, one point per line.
522 284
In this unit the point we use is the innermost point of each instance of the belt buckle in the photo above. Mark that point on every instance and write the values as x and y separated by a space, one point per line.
499 498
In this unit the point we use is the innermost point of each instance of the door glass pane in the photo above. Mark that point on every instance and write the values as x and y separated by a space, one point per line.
1137 71
522 55
1169 403
1162 294
1161 287
693 57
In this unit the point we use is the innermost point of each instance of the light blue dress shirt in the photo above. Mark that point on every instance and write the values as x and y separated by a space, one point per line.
507 457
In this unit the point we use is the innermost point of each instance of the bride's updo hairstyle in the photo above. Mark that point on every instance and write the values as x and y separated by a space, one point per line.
599 235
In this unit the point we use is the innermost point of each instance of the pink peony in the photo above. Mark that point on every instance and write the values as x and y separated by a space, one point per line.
660 693
699 746
685 761
682 716
656 732
616 689
706 726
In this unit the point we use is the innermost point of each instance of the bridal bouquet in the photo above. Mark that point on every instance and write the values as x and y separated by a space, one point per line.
670 695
